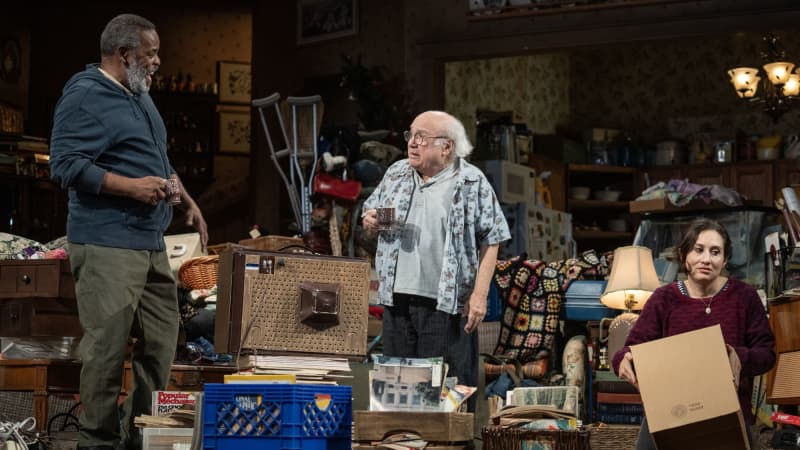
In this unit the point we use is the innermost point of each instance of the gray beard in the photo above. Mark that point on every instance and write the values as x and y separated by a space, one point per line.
137 78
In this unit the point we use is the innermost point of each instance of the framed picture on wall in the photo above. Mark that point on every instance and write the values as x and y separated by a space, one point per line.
320 20
233 79
234 129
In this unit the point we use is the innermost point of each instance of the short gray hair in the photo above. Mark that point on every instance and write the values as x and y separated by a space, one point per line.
454 129
123 31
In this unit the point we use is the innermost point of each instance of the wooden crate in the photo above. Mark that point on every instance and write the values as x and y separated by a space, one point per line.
441 430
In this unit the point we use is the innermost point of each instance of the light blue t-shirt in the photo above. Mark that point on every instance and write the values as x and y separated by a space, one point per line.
422 243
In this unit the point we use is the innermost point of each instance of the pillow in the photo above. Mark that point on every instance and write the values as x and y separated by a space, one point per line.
17 247
532 293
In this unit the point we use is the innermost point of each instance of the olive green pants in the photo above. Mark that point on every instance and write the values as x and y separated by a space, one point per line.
122 293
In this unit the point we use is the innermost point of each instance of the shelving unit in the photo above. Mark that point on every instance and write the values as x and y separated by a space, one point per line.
191 135
547 7
590 217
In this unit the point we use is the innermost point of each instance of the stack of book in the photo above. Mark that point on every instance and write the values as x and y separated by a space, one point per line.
303 369
618 402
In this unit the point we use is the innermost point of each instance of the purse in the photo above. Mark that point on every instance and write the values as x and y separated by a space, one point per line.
319 304
335 187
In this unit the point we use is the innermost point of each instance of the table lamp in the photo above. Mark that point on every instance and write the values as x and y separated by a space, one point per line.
633 278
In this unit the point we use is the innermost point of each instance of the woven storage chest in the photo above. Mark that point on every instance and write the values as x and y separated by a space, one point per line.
506 438
616 437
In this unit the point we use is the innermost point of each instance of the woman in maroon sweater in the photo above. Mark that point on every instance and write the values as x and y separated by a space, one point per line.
706 298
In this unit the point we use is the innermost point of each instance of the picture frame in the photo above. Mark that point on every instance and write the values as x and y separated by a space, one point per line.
322 20
234 82
234 130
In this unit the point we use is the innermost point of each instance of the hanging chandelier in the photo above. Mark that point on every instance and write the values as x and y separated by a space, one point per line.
778 90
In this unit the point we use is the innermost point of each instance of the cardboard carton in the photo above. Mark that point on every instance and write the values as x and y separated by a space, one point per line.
688 393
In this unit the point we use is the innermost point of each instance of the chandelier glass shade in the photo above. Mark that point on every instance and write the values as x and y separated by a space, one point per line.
776 89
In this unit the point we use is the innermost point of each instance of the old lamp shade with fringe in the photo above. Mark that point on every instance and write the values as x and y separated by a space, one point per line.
633 278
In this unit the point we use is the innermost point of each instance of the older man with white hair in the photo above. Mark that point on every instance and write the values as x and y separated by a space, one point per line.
436 264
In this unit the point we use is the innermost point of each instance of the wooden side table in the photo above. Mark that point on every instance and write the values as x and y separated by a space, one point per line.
43 377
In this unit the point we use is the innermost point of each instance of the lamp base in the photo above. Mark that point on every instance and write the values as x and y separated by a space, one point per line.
618 332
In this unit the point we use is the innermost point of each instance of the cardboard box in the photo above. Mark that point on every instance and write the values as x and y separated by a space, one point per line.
687 389
181 248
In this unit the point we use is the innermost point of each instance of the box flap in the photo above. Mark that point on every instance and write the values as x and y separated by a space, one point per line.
685 378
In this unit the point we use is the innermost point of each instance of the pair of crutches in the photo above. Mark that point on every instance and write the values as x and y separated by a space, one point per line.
302 155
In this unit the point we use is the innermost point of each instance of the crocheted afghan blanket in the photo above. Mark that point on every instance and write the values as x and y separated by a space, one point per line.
532 293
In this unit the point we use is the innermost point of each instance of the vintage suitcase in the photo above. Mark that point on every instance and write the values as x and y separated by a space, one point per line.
583 301
260 306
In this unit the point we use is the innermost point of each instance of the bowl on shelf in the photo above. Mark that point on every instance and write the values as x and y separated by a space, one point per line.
579 192
618 225
607 195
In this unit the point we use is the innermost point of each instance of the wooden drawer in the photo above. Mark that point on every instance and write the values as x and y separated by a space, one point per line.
45 278
39 317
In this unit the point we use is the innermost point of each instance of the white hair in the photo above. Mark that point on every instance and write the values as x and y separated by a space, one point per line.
454 129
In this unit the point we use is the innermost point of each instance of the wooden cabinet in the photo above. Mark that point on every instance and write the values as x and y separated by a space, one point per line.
708 175
37 298
754 180
592 219
786 173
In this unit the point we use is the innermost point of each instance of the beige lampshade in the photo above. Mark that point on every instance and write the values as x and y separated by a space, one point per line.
778 72
792 86
745 81
633 277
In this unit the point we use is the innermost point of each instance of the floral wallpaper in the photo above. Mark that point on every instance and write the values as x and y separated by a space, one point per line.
674 88
535 88
652 90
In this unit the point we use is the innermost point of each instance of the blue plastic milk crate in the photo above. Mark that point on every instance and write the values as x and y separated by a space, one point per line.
277 416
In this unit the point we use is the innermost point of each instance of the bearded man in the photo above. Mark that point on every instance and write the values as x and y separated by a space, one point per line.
108 148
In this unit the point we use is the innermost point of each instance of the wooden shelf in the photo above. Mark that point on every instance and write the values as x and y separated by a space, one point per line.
557 7
596 168
574 205
592 234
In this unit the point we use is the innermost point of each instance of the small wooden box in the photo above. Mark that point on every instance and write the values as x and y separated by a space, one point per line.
450 430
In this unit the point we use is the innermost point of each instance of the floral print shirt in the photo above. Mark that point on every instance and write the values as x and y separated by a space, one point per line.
475 219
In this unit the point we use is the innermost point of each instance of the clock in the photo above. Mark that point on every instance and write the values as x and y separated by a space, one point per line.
10 60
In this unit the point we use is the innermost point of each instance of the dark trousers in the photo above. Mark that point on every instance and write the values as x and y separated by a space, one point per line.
122 293
413 328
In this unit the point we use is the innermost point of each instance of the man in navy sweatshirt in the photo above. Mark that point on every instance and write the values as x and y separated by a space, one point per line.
108 148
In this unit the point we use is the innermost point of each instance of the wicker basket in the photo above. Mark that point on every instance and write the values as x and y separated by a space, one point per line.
200 272
506 438
618 437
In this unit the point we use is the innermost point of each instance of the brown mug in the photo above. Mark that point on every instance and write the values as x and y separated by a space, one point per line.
386 218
